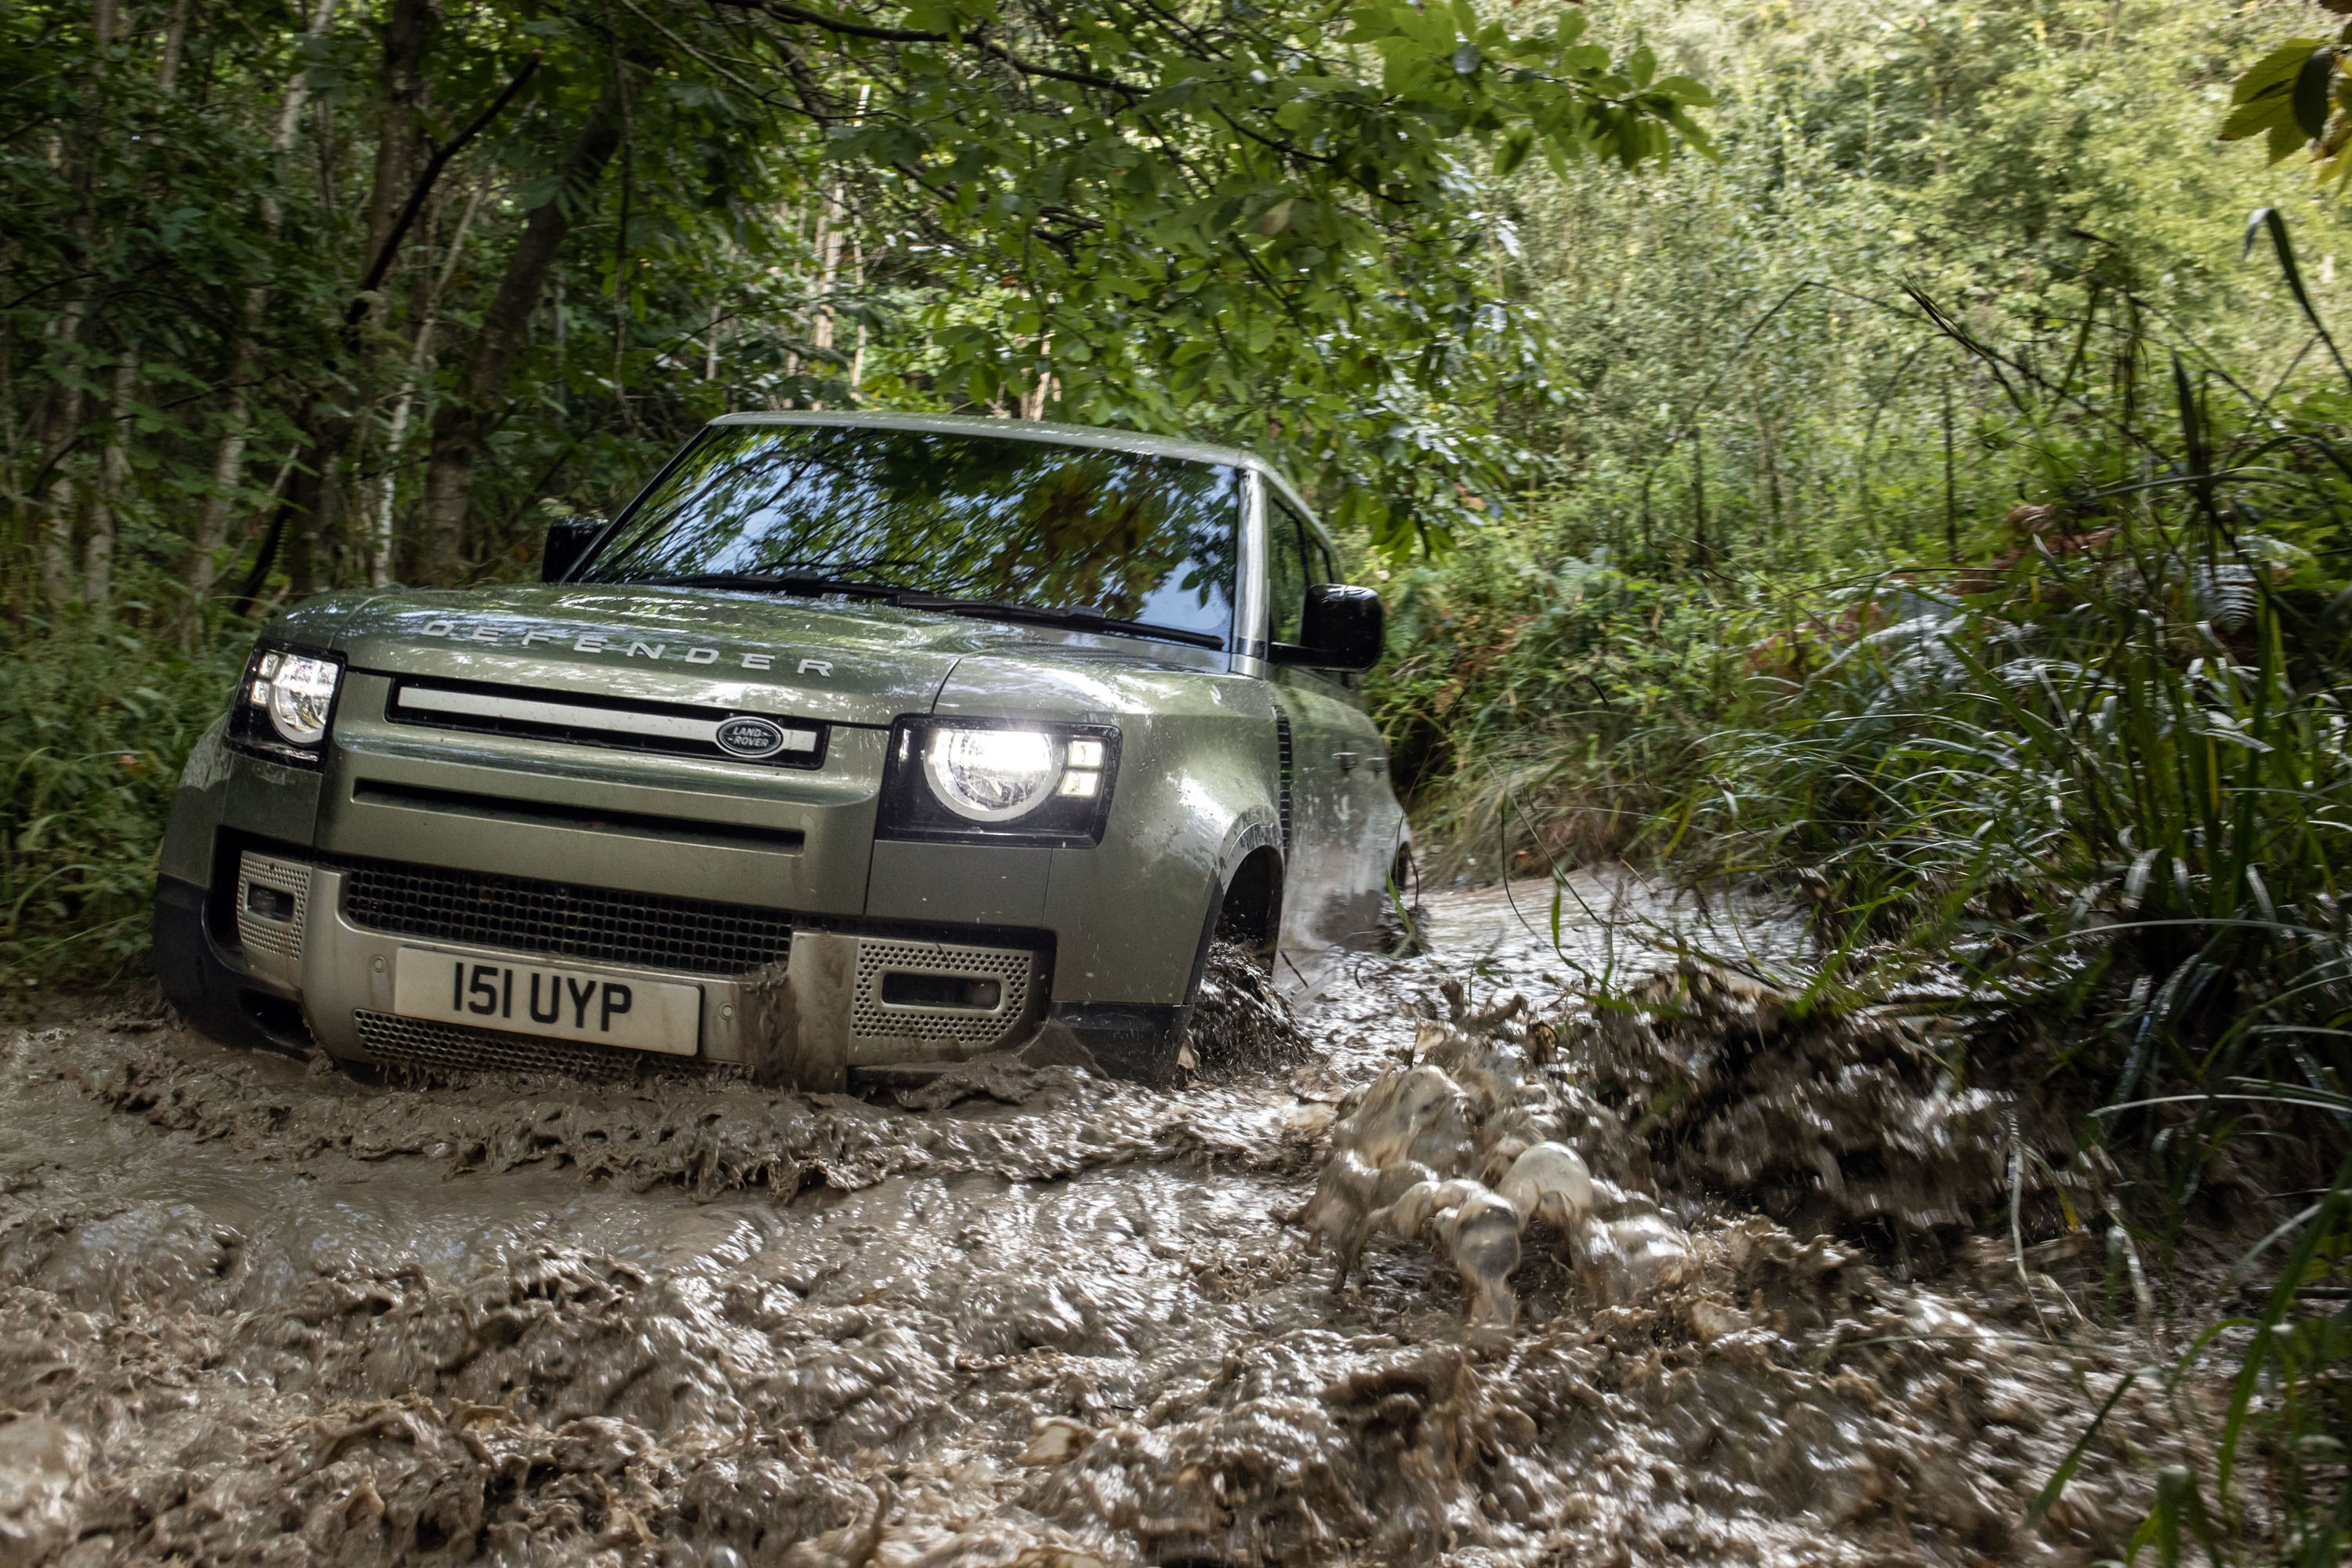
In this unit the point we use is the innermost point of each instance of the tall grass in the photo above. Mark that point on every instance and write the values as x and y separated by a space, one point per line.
1541 705
2126 813
2111 777
96 720
2103 770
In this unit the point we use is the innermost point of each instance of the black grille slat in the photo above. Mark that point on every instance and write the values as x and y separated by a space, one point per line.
561 921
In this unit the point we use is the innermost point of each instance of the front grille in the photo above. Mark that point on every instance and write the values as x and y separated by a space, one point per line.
453 1047
873 1018
557 920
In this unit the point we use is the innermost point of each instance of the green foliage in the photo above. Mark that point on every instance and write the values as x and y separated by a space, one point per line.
1544 709
1260 223
1234 226
227 372
1979 575
95 724
2295 97
2115 787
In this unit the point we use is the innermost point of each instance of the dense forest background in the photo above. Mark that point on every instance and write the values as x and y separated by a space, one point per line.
1863 447
298 298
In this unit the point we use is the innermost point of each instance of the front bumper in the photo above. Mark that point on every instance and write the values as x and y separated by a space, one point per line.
316 944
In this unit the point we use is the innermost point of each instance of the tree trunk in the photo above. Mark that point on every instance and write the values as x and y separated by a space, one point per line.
63 423
316 514
175 38
58 512
412 386
462 422
400 140
828 267
1701 554
315 532
114 485
60 422
229 458
307 518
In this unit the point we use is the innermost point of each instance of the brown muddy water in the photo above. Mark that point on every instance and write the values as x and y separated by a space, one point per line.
259 1310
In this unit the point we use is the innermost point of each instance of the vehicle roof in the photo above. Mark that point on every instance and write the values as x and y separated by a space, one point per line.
1035 430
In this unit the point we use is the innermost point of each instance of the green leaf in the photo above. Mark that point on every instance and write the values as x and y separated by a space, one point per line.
2311 84
1513 151
2287 138
2262 114
1683 90
2275 69
1467 59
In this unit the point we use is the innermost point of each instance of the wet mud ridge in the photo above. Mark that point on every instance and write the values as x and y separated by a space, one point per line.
1478 1279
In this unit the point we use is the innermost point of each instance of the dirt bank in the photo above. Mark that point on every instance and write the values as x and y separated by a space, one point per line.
253 1310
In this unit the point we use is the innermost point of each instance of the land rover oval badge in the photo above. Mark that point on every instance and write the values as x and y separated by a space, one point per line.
752 737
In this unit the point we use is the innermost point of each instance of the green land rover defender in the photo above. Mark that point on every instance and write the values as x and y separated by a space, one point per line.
857 742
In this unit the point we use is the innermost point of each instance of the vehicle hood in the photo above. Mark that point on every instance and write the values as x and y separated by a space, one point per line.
838 660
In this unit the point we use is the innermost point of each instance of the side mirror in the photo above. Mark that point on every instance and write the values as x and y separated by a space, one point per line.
1343 627
568 539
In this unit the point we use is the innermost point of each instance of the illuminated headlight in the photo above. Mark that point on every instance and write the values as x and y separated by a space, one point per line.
1082 771
992 775
1008 782
285 703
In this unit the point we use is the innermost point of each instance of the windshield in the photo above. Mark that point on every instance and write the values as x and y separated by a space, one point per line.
1135 538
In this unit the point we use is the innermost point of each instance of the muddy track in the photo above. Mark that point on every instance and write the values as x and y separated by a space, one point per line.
255 1309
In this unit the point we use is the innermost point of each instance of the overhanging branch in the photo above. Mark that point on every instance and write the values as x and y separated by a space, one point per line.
356 311
783 11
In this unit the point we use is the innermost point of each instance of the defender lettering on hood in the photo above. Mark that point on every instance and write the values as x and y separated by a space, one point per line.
492 636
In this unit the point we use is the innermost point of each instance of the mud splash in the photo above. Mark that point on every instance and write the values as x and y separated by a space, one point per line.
1240 1022
252 1311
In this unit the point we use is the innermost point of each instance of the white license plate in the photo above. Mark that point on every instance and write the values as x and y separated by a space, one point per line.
560 1003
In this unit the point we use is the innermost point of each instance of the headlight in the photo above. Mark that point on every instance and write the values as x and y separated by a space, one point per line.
301 690
1042 784
283 709
991 775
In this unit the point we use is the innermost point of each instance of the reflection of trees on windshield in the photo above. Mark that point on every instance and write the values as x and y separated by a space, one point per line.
1137 537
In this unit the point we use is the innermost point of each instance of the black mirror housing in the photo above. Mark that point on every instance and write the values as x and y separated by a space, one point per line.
1342 628
568 539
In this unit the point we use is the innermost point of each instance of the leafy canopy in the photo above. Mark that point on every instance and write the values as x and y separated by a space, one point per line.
1266 219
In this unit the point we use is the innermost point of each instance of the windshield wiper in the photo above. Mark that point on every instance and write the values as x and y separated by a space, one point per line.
1076 620
774 583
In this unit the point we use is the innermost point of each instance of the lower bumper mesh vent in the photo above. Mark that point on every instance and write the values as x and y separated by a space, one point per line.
453 1047
998 979
273 902
562 920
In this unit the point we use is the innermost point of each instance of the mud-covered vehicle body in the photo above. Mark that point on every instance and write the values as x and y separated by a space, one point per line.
856 741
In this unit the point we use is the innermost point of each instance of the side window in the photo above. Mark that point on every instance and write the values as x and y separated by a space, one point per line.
1285 569
1321 568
